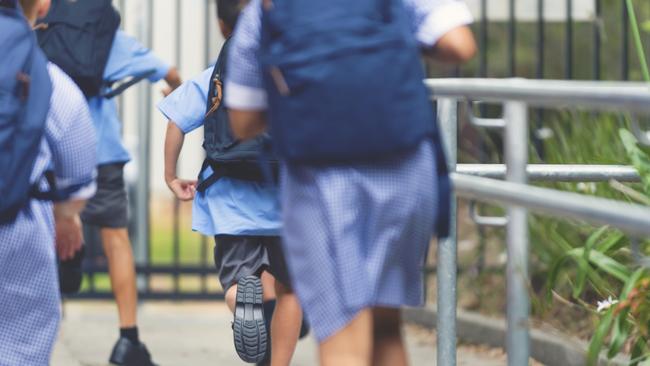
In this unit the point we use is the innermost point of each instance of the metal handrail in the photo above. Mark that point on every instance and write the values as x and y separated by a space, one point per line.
598 95
634 219
517 95
557 172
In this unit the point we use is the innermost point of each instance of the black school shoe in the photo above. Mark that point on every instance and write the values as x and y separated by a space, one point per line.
249 327
126 353
70 274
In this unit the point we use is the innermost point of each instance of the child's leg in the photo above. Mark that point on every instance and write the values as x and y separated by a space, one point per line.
285 326
268 285
388 346
351 346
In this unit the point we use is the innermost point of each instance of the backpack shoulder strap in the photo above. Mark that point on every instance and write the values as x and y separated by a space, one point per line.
215 93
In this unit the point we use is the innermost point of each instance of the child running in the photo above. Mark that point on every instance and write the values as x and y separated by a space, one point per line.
238 208
356 227
29 291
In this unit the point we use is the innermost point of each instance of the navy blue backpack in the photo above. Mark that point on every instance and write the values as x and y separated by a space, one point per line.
344 79
25 91
344 83
226 155
77 36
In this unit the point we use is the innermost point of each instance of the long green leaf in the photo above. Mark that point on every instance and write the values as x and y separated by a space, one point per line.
619 335
638 157
614 242
637 40
583 265
622 326
598 339
638 352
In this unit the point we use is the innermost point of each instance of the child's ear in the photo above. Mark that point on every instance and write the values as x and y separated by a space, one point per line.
43 8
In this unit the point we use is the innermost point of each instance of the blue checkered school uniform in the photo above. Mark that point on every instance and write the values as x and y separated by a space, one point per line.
29 289
355 236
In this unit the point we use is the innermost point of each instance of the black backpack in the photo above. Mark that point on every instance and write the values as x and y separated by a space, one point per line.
250 160
78 36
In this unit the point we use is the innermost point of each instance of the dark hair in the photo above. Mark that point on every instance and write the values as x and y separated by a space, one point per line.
228 11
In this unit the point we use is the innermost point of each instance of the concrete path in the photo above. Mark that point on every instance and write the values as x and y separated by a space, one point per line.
197 334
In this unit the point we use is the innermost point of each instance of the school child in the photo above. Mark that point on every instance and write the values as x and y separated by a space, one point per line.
57 136
113 57
236 206
359 204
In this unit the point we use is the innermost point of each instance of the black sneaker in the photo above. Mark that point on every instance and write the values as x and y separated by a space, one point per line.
70 274
126 353
249 328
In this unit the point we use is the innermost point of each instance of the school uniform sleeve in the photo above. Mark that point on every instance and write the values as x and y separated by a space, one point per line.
431 19
70 135
244 79
130 58
186 106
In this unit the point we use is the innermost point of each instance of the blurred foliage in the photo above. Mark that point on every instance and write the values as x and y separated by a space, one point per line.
577 261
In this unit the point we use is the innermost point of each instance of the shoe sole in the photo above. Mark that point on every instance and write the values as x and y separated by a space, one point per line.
249 328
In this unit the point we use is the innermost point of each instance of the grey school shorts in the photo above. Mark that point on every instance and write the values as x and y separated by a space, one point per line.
240 256
109 207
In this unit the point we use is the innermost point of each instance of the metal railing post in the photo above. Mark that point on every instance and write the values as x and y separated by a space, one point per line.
516 156
446 251
141 249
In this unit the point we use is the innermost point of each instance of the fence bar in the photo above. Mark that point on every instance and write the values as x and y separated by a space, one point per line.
568 51
176 240
447 253
512 40
597 39
598 95
516 156
483 41
208 17
625 42
634 219
556 172
141 250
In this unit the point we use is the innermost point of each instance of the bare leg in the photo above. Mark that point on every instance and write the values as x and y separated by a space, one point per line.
268 286
285 326
121 268
352 346
388 347
231 297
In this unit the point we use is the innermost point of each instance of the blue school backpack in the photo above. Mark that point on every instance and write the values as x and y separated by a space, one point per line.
78 37
25 91
344 79
227 156
344 83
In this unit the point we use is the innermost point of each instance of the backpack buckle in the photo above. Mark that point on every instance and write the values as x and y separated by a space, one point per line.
25 82
216 100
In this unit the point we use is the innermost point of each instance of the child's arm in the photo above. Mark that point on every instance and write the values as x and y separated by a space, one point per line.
455 46
173 80
183 189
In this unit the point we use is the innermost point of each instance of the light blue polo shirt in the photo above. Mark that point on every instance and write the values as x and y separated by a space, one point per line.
127 58
229 206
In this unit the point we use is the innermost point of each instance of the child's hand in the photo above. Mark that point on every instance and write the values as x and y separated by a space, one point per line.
183 189
69 237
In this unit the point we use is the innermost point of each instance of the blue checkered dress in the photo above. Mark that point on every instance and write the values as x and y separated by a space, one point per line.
29 290
355 236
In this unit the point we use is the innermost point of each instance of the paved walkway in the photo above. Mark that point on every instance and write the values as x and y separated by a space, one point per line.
197 334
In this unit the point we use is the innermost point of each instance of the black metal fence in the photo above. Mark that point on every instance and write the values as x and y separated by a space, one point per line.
597 48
